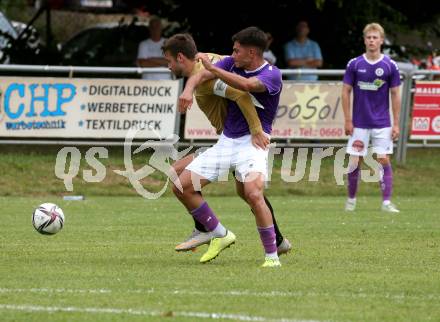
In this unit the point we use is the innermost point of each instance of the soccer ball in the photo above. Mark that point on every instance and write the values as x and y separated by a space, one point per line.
48 219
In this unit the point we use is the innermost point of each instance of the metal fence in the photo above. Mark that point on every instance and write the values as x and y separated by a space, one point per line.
71 71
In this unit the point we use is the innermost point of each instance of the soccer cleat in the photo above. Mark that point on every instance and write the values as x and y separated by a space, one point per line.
350 205
284 247
216 245
271 262
196 239
390 208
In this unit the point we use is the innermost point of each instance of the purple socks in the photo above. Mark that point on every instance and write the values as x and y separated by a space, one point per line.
386 184
267 236
205 216
353 178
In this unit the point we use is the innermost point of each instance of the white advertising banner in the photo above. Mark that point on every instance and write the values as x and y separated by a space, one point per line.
306 111
86 108
197 125
310 111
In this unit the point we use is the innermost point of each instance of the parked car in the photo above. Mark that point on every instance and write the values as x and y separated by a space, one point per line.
30 33
7 37
110 44
19 43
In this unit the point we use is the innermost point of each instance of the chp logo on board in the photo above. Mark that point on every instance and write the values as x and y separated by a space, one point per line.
436 124
421 123
1 107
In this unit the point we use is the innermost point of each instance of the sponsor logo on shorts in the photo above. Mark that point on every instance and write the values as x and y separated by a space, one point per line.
358 145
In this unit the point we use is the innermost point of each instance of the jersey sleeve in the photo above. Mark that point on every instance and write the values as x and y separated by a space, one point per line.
349 76
395 75
247 107
272 80
226 63
206 96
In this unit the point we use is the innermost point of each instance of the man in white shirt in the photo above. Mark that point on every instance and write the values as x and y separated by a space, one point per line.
268 55
150 51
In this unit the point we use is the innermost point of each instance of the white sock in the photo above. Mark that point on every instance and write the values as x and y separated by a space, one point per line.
352 200
386 202
273 255
219 231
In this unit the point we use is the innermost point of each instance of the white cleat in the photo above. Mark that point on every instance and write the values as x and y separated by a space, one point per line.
390 208
285 247
350 205
196 239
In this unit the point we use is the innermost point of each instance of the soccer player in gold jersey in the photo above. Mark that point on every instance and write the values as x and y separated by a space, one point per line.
211 96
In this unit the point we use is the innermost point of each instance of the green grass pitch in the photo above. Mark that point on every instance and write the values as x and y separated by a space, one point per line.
115 261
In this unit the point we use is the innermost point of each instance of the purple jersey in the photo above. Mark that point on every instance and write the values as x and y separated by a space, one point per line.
235 123
371 82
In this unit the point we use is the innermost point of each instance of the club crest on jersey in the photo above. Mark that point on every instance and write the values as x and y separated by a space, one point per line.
378 71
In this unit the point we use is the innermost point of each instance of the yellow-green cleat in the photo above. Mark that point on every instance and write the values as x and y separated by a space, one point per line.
216 245
271 262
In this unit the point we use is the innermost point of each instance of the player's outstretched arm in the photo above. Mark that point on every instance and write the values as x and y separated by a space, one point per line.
252 84
220 89
345 98
186 98
247 107
395 105
214 90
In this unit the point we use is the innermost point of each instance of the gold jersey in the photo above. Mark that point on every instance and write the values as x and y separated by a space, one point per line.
215 107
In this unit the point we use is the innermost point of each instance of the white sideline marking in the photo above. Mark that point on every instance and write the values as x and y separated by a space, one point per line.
224 293
52 290
201 315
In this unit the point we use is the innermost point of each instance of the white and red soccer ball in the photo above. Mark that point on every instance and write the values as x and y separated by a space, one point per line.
48 219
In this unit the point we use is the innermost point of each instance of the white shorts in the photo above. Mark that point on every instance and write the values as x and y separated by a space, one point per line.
381 141
238 154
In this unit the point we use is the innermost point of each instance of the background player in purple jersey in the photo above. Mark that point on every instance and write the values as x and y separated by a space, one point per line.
372 77
246 70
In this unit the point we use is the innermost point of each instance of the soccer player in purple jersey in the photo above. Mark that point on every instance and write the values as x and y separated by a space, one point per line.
372 77
245 70
180 50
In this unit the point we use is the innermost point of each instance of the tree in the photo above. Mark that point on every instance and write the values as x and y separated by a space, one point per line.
336 24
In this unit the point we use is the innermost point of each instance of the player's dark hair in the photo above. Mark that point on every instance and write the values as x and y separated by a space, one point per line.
251 36
180 43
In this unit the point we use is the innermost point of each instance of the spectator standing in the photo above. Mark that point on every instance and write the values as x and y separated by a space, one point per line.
268 55
150 51
302 52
